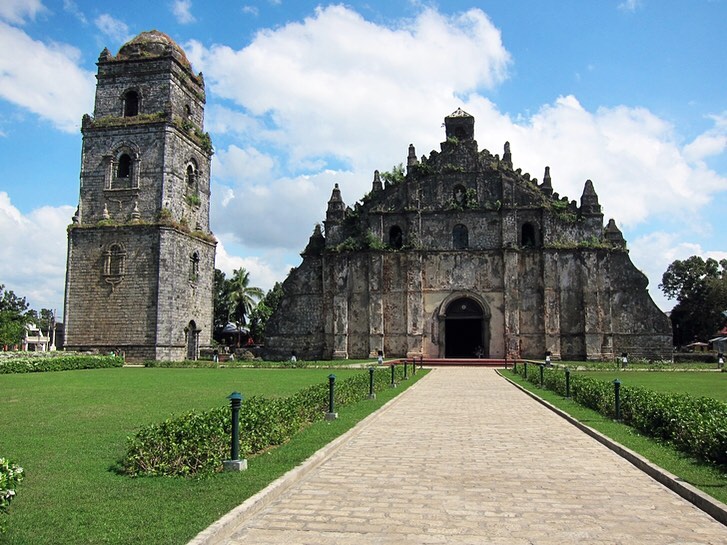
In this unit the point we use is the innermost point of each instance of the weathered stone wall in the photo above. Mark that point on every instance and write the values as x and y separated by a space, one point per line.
543 270
104 310
140 257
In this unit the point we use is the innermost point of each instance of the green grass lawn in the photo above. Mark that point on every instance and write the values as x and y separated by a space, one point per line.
697 383
68 430
708 478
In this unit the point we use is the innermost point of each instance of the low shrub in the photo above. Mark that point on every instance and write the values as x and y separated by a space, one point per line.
696 426
196 443
37 364
10 475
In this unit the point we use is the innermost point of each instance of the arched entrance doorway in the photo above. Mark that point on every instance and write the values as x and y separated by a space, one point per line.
192 340
466 329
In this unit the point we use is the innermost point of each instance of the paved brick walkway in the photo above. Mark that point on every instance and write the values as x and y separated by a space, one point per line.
466 458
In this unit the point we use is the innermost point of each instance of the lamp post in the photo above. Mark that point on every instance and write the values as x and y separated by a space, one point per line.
235 464
372 395
331 414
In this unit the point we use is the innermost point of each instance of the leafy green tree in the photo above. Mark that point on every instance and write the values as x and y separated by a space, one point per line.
264 309
241 296
12 316
221 303
700 288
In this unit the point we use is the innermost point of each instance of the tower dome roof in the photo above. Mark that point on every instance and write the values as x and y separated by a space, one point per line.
152 44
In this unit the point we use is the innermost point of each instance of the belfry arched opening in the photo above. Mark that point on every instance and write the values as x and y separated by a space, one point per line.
465 330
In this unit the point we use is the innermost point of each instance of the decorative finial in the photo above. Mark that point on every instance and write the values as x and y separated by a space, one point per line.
547 187
377 185
507 156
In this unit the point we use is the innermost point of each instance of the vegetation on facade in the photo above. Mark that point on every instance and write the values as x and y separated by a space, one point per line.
109 121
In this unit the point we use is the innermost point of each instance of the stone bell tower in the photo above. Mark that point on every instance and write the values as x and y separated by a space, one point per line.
140 264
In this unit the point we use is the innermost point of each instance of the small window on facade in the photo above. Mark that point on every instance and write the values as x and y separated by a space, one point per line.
194 267
188 111
115 261
528 238
396 237
131 104
460 195
460 237
191 175
123 169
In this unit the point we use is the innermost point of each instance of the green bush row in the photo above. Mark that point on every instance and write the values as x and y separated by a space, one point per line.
10 475
696 426
37 364
196 443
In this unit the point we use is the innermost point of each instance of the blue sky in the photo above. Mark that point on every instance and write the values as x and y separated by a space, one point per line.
302 95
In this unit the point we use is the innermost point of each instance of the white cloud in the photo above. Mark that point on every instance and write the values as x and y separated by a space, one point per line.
633 157
71 7
33 252
654 252
45 79
710 143
114 28
330 99
182 10
630 5
250 10
331 81
242 165
16 11
264 272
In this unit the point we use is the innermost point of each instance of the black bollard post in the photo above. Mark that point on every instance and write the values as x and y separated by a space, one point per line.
525 373
405 375
331 414
235 464
567 383
617 395
393 382
542 368
372 395
514 366
413 366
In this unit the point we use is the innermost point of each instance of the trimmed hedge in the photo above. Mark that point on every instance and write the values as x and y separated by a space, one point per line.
196 443
39 364
696 426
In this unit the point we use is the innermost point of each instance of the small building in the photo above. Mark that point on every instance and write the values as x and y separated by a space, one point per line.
461 256
34 340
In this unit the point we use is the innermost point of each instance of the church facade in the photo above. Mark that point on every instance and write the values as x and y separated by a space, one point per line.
464 256
140 265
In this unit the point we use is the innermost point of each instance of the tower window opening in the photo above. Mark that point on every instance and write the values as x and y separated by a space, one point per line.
460 237
194 267
528 238
396 237
131 104
124 167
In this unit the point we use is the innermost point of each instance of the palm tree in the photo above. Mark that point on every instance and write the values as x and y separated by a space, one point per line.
241 296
